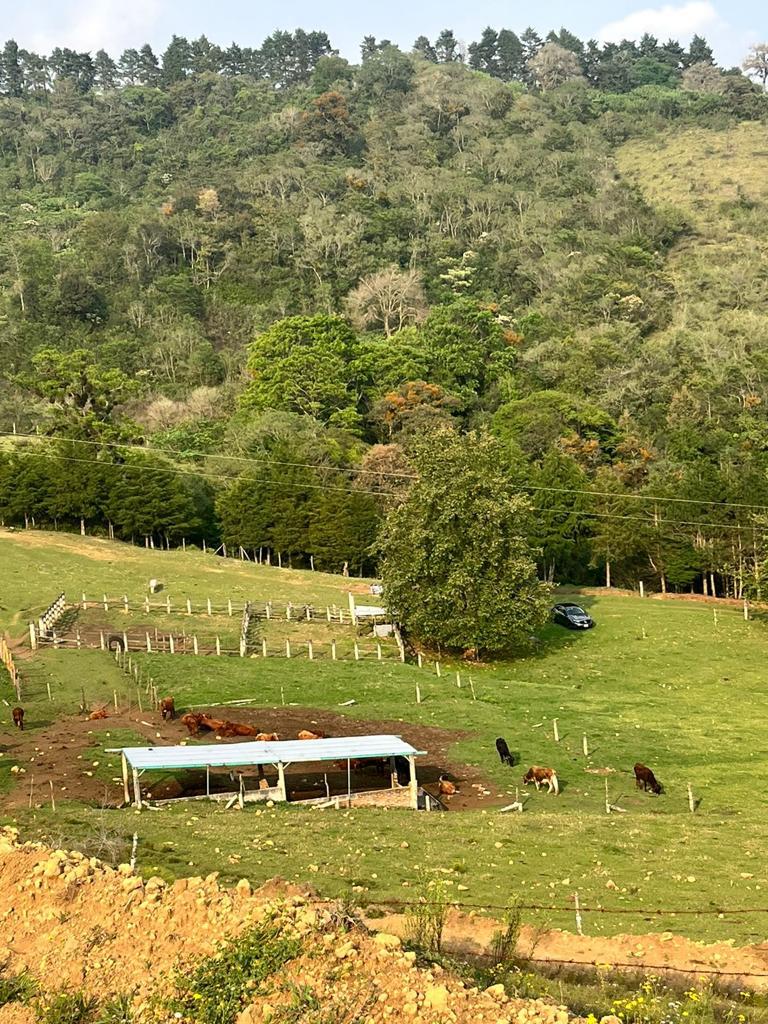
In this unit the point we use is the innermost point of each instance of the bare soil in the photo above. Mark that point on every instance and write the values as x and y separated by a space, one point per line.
63 754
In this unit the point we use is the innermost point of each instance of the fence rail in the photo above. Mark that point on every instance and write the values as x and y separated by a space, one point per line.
267 610
6 657
168 643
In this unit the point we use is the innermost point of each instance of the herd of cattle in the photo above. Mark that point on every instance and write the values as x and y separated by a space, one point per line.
540 776
197 723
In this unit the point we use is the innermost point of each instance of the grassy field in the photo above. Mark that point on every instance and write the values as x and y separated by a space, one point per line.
661 682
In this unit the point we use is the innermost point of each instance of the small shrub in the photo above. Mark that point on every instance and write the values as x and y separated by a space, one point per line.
116 1011
216 990
17 988
66 1008
504 949
425 923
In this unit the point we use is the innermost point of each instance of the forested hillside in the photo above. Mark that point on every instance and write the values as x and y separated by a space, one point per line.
239 286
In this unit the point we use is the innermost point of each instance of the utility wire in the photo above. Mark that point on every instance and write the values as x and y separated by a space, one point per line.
178 470
379 473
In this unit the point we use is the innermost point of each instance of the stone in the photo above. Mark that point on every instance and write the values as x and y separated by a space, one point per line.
387 941
436 997
497 992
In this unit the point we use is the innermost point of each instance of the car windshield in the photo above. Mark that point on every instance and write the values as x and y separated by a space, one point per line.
574 609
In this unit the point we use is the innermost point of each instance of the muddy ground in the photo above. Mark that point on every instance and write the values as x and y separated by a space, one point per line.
64 754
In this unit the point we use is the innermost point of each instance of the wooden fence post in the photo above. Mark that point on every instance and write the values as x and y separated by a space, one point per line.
171 644
106 603
210 610
287 648
32 636
189 607
378 651
555 731
585 745
149 644
333 650
218 646
458 680
101 640
263 648
168 604
437 669
229 607
357 651
418 694
642 589
310 651
691 801
195 647
125 603
419 659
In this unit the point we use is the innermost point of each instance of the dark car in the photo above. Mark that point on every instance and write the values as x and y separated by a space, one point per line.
571 616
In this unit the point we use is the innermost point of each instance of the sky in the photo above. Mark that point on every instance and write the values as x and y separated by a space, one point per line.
731 27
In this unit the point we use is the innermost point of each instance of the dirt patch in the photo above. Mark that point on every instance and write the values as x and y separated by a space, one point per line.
63 754
470 935
75 923
85 547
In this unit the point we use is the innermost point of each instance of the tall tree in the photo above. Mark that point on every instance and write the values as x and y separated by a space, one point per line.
447 47
423 48
177 60
458 572
11 71
105 72
484 54
756 63
511 60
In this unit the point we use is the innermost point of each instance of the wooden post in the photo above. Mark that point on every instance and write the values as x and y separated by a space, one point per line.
418 694
328 612
146 606
189 607
419 659
210 610
472 688
136 790
168 604
229 607
437 669
393 773
171 644
125 641
607 801
48 688
126 788
138 699
333 650
32 636
125 604
577 907
195 647
691 801
218 646
412 783
282 695
357 651
53 801
608 574
746 610
264 648
308 612
312 562
268 610
714 616
458 680
378 652
281 781
349 782
114 698
555 731
310 651
352 612
149 643
82 527
208 781
288 612
106 603
642 589
585 745
287 648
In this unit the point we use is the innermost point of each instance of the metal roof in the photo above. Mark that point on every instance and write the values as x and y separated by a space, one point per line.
232 755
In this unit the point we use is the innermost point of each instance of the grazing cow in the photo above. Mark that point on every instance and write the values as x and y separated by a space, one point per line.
445 787
98 714
306 734
542 777
18 718
167 708
267 737
503 751
645 779
235 729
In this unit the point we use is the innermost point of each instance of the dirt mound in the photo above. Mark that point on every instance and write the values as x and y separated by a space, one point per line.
75 923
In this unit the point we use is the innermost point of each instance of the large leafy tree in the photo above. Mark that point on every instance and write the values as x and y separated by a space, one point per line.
302 364
458 571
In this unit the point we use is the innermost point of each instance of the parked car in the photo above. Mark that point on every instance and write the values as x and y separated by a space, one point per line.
572 616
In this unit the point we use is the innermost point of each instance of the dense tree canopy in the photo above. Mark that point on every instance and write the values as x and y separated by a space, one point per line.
279 271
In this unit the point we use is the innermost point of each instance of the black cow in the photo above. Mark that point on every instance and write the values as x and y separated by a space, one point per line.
645 779
504 753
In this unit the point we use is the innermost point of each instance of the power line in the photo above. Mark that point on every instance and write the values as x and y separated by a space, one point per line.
358 471
284 484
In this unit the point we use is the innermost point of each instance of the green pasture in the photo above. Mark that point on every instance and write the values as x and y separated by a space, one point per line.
668 683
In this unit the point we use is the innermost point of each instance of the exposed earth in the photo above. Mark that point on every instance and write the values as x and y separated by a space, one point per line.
72 754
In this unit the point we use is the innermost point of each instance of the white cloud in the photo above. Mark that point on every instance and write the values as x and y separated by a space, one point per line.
92 25
668 21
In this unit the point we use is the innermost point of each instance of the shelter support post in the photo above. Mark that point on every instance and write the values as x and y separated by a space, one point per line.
393 773
136 789
412 783
281 781
126 787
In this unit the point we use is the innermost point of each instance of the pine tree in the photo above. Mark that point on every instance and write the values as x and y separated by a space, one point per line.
447 47
425 49
149 69
484 54
11 73
105 71
177 60
511 62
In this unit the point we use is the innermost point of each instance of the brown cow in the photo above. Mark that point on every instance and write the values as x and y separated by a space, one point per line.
645 779
196 722
18 718
267 737
167 708
235 729
542 777
98 714
446 787
307 734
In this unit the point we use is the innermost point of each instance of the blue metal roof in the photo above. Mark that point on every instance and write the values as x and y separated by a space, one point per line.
239 755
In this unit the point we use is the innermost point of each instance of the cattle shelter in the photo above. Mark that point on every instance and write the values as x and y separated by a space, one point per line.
279 755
